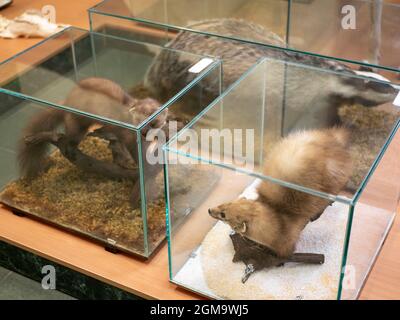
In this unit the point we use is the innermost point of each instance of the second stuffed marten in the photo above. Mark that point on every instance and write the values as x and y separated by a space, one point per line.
315 159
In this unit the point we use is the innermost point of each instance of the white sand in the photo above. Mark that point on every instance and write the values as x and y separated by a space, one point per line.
211 271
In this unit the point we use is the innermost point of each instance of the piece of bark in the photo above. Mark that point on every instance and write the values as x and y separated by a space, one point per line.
257 257
307 258
86 163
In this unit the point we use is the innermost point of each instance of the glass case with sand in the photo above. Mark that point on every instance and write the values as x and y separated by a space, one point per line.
81 135
353 30
303 205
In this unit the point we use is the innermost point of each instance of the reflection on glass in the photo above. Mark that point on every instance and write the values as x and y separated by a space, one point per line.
356 30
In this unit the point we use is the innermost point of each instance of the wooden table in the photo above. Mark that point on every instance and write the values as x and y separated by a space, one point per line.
67 12
146 279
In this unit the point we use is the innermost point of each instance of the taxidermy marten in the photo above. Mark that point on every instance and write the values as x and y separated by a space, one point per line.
316 159
311 96
96 96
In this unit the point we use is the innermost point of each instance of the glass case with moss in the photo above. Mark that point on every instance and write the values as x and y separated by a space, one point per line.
308 186
354 30
81 135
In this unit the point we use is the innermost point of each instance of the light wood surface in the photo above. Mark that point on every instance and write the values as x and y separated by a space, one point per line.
147 279
67 12
384 280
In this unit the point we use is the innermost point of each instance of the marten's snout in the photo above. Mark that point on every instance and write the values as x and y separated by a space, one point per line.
216 213
213 213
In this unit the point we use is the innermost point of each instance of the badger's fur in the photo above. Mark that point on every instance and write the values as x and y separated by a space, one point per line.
310 97
315 159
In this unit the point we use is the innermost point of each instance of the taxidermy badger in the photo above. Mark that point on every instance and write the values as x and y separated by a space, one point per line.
311 95
316 159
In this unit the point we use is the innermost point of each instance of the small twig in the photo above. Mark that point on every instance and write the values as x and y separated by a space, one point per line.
257 257
308 258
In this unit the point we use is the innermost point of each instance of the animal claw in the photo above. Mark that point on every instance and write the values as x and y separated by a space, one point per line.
248 272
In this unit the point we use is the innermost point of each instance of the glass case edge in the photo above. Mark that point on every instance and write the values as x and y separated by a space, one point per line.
143 200
167 212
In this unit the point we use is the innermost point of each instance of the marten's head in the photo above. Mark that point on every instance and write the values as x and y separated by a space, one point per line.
239 214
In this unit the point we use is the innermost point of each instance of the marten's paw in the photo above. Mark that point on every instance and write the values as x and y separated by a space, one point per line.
103 134
33 139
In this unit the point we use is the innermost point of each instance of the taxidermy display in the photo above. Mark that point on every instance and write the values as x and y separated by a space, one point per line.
319 94
96 96
315 159
257 257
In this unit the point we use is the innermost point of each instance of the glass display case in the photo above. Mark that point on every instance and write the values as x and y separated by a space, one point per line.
303 203
362 31
82 134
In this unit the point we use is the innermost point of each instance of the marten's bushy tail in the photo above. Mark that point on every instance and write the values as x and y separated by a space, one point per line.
32 151
317 159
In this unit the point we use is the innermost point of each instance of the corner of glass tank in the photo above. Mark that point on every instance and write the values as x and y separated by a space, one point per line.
78 125
305 187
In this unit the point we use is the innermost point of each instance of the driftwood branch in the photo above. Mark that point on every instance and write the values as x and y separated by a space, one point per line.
120 153
86 163
257 257
307 258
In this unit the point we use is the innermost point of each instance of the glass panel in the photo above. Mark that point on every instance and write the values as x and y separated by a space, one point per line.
284 98
373 216
87 55
356 30
188 219
86 95
83 189
114 18
309 163
201 249
187 13
172 120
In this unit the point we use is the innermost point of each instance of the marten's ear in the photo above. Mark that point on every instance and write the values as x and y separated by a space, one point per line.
241 229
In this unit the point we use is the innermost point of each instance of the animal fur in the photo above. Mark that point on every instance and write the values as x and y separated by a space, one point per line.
315 159
311 97
97 96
